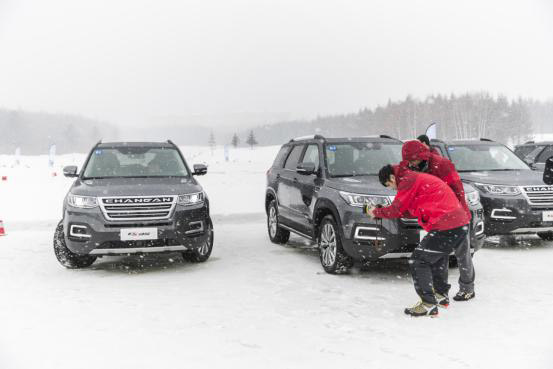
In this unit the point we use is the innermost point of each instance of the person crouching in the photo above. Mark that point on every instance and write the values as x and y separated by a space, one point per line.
438 212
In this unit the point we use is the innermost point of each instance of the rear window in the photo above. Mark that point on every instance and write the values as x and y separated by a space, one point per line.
281 156
546 154
133 161
294 157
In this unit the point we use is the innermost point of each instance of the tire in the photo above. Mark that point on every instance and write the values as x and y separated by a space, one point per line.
331 253
546 236
65 256
276 233
202 253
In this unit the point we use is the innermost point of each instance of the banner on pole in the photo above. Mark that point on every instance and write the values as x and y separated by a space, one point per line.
431 131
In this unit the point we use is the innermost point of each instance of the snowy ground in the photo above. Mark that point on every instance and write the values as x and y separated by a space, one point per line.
253 304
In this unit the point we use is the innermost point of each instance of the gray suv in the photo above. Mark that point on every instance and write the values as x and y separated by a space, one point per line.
317 187
133 198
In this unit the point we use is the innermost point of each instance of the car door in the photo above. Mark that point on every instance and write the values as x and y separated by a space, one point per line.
308 185
288 189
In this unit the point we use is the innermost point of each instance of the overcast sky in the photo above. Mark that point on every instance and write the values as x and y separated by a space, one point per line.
129 61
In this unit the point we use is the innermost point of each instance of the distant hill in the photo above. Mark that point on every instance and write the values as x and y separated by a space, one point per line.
34 132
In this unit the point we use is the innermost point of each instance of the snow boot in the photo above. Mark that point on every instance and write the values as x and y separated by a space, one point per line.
423 309
443 300
464 296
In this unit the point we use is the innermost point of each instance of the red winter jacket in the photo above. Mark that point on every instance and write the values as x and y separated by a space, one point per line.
437 166
427 198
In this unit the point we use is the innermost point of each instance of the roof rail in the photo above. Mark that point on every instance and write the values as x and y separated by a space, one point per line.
436 140
390 137
486 139
529 142
308 137
171 142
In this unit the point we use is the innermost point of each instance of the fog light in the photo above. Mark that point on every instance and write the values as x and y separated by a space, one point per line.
78 231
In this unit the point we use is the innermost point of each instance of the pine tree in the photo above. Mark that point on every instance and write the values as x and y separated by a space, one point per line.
251 140
211 142
235 140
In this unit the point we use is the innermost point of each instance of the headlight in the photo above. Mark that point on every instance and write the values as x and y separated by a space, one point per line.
355 199
191 199
498 189
83 202
472 198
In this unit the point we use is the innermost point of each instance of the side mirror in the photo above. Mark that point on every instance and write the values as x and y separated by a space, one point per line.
306 168
200 169
70 171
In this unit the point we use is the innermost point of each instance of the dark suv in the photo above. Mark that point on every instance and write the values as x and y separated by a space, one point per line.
133 198
317 187
535 153
515 198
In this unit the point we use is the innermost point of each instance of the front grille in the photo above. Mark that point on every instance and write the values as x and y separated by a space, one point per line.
127 208
539 195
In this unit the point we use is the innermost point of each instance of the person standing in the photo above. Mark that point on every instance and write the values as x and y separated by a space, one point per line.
420 158
438 212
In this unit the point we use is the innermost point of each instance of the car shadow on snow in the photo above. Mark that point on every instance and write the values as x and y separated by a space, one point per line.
141 264
383 269
523 242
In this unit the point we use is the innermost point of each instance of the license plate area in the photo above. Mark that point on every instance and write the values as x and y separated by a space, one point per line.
138 234
547 216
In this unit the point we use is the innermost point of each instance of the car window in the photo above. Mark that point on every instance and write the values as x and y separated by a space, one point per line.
294 157
349 159
312 155
135 162
484 157
281 156
546 154
438 150
522 151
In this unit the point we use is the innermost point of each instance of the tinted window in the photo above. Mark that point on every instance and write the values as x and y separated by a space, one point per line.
294 157
484 157
546 154
281 156
360 158
312 155
438 150
135 162
522 151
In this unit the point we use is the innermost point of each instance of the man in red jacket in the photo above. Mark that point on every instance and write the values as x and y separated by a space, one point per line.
439 212
420 158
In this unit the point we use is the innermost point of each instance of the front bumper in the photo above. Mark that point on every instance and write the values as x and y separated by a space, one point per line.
513 215
88 232
366 239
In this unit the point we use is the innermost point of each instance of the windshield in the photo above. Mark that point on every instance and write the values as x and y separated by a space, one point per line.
468 158
135 162
360 158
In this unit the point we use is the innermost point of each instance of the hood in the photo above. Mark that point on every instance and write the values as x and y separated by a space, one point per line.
508 177
414 150
135 186
366 185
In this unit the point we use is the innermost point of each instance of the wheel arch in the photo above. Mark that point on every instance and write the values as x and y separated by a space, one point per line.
270 195
325 207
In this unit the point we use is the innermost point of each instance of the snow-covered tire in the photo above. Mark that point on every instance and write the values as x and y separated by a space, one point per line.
65 256
546 236
331 253
203 252
508 240
277 234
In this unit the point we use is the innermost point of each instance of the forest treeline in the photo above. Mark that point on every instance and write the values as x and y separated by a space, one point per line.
471 115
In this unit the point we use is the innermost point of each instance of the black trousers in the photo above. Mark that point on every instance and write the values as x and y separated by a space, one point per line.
429 262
